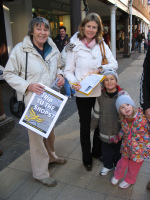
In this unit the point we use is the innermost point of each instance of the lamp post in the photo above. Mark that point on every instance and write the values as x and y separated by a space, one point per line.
86 9
130 7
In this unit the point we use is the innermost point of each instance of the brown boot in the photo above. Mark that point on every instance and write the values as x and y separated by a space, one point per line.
50 182
148 185
61 161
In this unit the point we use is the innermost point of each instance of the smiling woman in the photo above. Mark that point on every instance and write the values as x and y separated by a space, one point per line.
42 67
90 30
83 57
40 35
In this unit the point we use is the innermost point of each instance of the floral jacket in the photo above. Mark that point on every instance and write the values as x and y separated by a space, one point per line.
136 140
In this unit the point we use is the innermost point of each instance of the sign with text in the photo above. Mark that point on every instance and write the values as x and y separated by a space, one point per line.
43 111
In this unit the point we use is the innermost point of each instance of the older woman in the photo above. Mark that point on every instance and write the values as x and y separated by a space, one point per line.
42 67
84 56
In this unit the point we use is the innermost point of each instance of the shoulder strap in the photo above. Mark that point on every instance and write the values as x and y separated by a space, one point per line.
26 65
26 71
102 48
14 93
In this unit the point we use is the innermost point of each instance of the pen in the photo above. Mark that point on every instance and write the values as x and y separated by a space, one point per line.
72 83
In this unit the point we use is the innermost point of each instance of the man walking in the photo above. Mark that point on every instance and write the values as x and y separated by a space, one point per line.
140 38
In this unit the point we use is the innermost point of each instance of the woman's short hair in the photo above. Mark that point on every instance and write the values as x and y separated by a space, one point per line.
36 22
91 17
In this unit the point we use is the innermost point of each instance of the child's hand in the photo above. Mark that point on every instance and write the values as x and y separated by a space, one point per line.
115 139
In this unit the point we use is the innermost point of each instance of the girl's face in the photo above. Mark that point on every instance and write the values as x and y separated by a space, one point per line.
90 30
126 110
110 83
40 35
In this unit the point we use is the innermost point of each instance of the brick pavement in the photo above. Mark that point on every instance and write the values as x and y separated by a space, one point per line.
74 182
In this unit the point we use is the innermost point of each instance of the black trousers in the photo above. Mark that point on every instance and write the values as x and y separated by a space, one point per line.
111 154
85 106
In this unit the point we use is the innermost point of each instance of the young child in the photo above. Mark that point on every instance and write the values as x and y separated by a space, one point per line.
136 140
106 116
69 91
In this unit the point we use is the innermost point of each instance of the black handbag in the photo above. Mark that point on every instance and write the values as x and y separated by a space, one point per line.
17 107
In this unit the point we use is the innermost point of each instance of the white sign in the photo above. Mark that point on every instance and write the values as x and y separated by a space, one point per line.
43 111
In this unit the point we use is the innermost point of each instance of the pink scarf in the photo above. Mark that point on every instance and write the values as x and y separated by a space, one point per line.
89 45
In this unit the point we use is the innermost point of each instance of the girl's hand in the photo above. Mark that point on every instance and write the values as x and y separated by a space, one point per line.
36 88
76 86
114 140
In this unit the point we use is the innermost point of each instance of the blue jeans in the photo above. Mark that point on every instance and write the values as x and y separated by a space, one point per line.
140 46
68 89
136 45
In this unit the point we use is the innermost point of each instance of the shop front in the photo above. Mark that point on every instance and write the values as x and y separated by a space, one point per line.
57 13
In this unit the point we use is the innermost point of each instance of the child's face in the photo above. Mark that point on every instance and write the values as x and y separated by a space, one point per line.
126 110
110 83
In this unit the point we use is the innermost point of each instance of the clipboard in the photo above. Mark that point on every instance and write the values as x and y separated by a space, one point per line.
88 83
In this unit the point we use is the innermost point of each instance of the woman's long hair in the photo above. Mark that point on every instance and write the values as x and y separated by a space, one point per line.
91 17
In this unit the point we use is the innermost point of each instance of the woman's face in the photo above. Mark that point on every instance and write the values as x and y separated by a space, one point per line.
40 35
90 30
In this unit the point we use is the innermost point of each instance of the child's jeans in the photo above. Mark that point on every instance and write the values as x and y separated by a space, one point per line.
68 89
132 171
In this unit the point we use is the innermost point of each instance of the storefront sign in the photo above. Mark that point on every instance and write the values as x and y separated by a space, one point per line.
43 111
56 5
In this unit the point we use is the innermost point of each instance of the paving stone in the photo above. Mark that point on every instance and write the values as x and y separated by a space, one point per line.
22 163
77 166
104 186
49 193
65 147
139 190
76 193
11 180
26 190
72 178
108 197
76 154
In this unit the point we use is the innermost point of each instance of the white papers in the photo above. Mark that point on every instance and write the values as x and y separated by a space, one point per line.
89 83
43 111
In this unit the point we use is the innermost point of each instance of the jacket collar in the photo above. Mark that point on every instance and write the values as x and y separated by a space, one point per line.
49 50
117 86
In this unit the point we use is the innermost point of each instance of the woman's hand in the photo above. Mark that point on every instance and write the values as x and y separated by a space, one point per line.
76 86
36 88
96 71
61 80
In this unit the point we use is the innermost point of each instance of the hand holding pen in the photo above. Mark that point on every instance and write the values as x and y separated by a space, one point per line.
76 86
